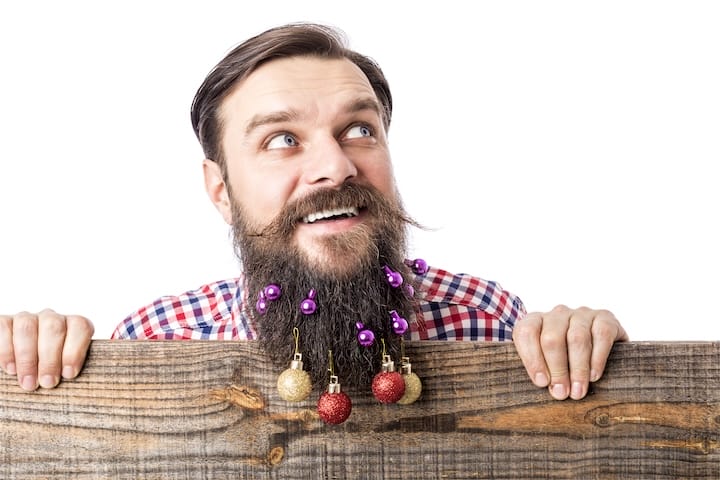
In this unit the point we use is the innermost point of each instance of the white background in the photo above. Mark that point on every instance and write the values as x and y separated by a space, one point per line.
567 150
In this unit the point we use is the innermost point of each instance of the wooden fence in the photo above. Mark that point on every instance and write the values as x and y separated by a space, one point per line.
210 409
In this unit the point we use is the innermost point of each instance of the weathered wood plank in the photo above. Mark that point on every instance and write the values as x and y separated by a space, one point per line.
199 409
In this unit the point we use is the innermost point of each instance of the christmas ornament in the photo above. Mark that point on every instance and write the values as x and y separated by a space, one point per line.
334 406
365 336
294 384
388 385
413 385
261 305
270 293
418 266
393 278
399 324
308 306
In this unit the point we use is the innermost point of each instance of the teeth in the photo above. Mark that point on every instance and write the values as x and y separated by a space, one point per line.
314 217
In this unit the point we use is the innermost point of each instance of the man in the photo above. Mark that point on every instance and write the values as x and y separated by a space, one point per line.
294 129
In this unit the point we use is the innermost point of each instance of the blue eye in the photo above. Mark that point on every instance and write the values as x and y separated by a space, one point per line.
358 131
283 140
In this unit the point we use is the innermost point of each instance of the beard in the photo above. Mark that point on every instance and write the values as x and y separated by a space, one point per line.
348 279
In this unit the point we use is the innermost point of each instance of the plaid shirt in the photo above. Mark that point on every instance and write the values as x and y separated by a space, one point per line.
454 307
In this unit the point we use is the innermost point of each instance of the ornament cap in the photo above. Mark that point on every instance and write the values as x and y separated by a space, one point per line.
387 364
405 366
333 386
297 363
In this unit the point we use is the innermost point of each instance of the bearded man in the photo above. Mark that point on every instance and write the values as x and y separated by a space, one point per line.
294 128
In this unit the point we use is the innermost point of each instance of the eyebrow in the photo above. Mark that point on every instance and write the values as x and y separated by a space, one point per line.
280 116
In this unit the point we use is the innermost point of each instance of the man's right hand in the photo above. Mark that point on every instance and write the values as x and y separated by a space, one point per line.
40 348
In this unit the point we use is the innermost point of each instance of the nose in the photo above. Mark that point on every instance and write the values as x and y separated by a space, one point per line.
329 164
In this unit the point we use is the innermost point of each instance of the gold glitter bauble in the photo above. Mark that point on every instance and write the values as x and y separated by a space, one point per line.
294 385
413 389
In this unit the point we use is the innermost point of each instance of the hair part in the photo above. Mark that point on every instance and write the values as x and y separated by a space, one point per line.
291 40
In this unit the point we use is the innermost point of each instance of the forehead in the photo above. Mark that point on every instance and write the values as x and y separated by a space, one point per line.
305 84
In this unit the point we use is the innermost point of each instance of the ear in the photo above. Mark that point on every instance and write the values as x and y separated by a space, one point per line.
217 190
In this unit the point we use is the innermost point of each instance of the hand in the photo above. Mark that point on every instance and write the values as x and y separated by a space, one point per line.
565 349
40 348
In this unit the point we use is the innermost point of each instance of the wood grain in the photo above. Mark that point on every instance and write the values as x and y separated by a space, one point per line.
210 409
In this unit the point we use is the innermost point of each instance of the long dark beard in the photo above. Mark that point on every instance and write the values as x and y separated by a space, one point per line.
343 296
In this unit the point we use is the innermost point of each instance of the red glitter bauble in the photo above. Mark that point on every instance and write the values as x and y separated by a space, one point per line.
388 387
334 408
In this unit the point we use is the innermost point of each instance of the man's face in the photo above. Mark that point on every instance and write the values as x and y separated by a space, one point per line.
299 125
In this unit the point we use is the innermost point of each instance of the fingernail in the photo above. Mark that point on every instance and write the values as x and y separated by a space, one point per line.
541 380
577 390
558 391
10 368
68 372
594 376
48 381
28 382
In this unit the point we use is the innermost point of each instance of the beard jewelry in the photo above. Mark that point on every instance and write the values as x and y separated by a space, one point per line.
294 384
365 336
413 385
393 278
270 293
418 266
388 386
308 306
334 406
399 324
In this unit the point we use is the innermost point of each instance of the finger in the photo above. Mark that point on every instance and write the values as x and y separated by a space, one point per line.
526 336
579 348
77 341
7 354
25 327
553 341
51 337
606 330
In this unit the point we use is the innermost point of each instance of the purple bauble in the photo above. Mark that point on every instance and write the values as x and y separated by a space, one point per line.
393 278
308 306
272 292
261 305
419 266
400 326
366 337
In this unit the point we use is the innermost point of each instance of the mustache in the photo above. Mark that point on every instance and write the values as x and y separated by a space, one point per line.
351 195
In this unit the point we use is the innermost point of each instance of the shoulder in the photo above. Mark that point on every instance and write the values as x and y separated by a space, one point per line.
203 312
465 307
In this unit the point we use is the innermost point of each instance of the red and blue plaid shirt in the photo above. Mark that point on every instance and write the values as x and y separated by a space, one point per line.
453 307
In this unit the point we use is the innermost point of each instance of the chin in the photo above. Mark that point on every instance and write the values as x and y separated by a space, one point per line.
341 254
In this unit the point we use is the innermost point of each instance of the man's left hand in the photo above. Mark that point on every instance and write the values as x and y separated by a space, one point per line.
566 349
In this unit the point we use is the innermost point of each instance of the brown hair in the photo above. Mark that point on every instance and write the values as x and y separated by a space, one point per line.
296 39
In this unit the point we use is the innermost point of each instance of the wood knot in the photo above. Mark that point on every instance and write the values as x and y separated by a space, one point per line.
602 420
275 455
241 396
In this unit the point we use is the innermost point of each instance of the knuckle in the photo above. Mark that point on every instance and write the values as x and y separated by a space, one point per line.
25 325
560 308
552 340
603 330
578 336
80 325
53 325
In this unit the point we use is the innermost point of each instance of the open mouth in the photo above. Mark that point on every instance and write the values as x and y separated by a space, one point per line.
334 214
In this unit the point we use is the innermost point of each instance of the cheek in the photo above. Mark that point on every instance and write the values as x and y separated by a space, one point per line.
381 176
262 196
